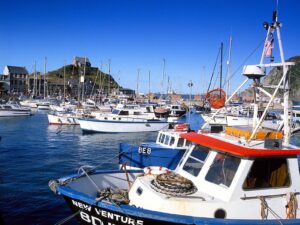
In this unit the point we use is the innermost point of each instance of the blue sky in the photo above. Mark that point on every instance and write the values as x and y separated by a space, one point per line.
139 34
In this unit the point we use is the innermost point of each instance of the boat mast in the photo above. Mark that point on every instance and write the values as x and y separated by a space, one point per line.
64 80
34 79
137 84
229 67
287 131
149 86
221 66
45 72
83 79
163 78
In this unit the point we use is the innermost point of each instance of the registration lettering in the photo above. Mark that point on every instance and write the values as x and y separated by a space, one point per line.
102 216
144 150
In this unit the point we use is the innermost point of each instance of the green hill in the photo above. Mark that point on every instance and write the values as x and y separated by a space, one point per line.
73 73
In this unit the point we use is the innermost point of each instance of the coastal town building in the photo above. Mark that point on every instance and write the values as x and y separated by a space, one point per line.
15 77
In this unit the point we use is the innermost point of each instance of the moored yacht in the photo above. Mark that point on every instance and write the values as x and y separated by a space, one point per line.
13 109
122 121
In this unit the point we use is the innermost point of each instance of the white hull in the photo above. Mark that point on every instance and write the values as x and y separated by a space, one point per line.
8 113
228 120
62 120
104 126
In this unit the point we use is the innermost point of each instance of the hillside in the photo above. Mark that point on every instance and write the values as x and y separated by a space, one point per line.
73 73
275 74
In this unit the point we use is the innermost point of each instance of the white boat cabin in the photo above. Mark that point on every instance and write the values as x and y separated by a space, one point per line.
171 139
226 182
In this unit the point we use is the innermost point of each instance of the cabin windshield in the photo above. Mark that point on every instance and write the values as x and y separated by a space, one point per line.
223 169
268 173
194 163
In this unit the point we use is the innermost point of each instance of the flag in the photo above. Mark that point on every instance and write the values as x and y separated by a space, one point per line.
269 44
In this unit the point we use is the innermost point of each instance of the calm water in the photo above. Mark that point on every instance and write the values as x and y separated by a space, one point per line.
32 153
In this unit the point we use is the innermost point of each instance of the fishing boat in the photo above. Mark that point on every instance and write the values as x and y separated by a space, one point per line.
122 121
166 152
10 109
242 175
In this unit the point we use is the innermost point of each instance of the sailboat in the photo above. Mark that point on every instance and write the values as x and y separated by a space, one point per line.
237 176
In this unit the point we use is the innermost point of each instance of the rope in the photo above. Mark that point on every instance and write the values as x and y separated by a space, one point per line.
67 219
265 209
292 206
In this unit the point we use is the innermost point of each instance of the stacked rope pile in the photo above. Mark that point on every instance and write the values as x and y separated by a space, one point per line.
173 184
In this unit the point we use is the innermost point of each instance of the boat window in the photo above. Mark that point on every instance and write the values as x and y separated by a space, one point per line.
137 113
223 169
124 113
162 137
267 173
196 160
180 142
159 138
167 140
187 143
115 111
172 141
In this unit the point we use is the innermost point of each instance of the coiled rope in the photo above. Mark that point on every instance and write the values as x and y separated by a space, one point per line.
173 184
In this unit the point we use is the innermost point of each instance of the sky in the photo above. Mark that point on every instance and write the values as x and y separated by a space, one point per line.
138 35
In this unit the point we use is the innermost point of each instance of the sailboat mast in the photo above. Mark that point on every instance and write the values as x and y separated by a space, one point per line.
45 72
149 85
221 65
34 79
65 80
137 83
83 79
229 67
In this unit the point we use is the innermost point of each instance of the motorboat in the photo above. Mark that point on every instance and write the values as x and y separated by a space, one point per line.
10 109
122 121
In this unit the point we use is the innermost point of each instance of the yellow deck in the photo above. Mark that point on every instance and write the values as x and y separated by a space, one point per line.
246 133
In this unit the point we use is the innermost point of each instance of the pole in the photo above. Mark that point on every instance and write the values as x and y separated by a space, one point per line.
65 81
83 79
34 80
109 61
45 72
137 83
149 85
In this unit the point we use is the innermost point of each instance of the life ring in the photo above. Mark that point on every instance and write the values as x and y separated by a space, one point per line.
181 127
156 170
216 98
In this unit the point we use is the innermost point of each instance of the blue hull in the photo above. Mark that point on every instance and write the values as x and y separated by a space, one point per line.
102 212
149 155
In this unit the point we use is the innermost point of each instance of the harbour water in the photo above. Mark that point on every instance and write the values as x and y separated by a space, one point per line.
32 153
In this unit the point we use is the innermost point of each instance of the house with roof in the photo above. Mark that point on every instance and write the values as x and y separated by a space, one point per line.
16 76
81 61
